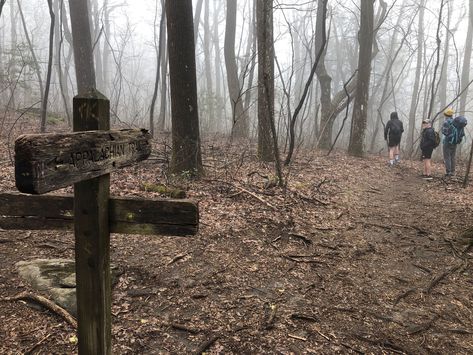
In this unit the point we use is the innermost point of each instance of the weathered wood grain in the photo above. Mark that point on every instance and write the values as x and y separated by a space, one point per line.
91 111
47 162
127 215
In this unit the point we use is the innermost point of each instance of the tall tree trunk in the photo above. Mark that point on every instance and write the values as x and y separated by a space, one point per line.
360 105
81 37
434 84
62 78
465 76
44 106
164 85
443 79
12 69
198 11
251 53
415 90
106 48
308 83
36 63
157 46
97 35
186 155
209 96
239 119
2 2
220 106
386 77
325 81
264 20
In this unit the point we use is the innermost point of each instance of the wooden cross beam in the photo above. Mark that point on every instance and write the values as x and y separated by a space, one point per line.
127 215
47 162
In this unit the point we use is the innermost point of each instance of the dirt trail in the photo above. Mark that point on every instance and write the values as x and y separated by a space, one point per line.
353 258
409 295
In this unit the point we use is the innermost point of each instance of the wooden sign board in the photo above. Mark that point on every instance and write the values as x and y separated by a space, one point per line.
127 215
47 162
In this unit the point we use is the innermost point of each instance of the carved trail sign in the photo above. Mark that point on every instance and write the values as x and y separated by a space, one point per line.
47 162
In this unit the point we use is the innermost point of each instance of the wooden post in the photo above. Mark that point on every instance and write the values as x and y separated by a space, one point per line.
92 247
48 162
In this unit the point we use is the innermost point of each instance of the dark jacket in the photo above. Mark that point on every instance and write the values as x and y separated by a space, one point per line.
393 129
427 140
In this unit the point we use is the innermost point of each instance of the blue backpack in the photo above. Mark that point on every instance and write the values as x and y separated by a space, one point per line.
456 130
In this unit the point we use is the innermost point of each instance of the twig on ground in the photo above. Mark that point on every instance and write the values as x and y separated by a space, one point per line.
34 347
246 191
184 327
297 337
423 327
423 268
305 317
25 296
255 196
302 259
304 239
206 344
436 280
177 257
404 295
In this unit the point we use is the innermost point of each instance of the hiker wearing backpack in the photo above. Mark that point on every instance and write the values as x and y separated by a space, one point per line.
392 135
453 131
427 146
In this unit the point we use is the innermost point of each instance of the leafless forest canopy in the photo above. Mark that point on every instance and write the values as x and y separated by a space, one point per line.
420 64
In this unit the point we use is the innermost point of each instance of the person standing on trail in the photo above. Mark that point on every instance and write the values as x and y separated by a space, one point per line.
392 135
453 131
427 145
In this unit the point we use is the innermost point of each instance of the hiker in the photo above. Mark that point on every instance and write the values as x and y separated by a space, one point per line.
392 134
427 145
453 131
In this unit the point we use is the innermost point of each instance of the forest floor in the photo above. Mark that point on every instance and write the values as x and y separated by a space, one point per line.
352 257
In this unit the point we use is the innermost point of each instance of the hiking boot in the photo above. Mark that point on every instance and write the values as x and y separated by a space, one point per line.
428 177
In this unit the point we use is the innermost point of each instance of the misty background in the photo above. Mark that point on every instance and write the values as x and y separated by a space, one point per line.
419 48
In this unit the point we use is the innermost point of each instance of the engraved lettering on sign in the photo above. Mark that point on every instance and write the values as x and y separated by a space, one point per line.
86 158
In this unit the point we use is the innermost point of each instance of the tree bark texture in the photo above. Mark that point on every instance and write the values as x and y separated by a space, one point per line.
465 75
264 19
186 154
81 37
360 105
239 119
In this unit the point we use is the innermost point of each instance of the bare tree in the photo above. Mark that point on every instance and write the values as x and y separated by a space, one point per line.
44 106
434 83
83 53
320 48
465 75
62 74
186 155
2 2
360 105
415 90
158 45
264 21
198 11
36 65
239 118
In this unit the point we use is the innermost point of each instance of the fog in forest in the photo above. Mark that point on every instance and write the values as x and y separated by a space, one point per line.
420 64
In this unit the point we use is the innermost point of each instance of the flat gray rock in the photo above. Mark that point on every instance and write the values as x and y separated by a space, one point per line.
56 278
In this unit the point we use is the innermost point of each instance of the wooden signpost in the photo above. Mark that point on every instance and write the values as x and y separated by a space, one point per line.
47 162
